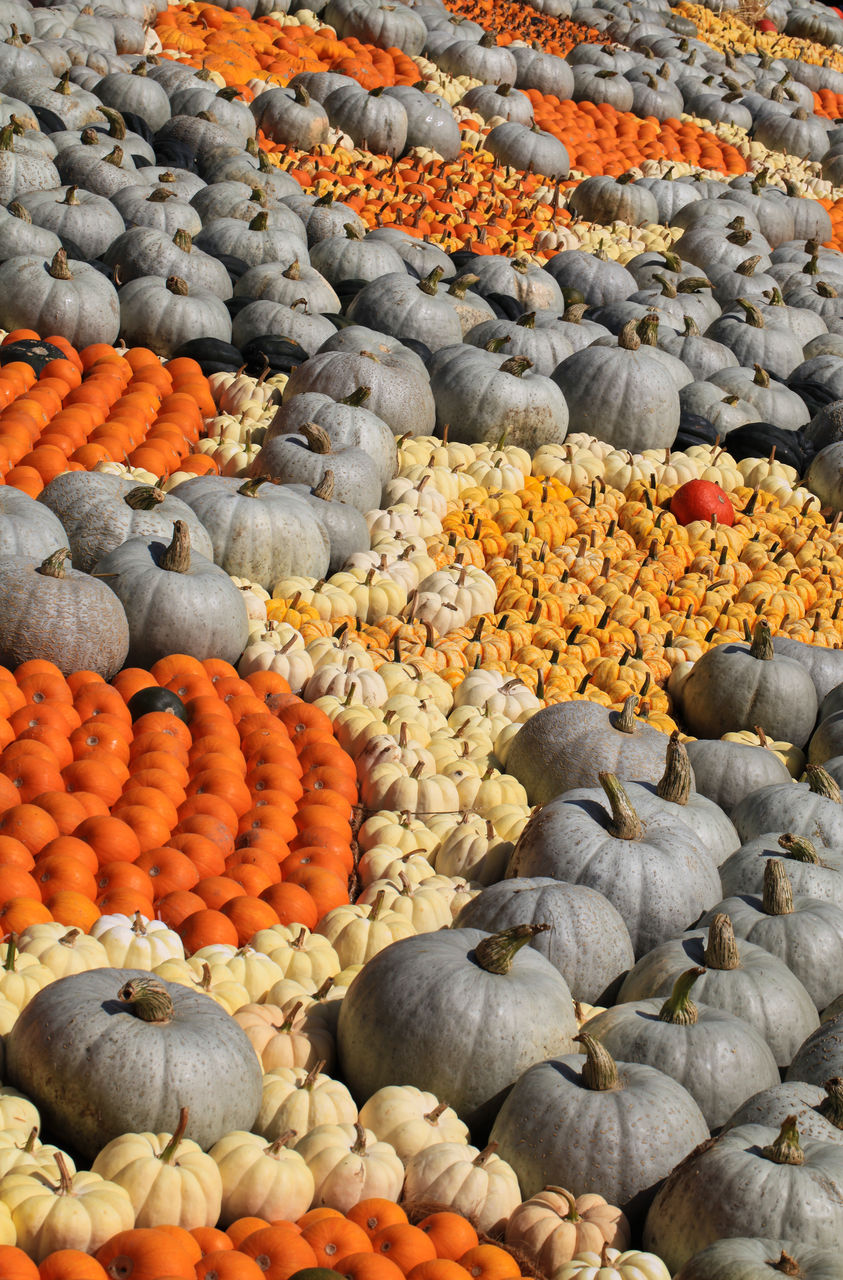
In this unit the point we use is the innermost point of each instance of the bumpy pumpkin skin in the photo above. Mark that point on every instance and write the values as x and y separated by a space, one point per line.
411 1012
752 1258
729 689
97 1071
791 1098
726 771
821 1054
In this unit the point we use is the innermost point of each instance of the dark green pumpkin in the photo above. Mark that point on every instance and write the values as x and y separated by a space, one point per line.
281 354
152 699
31 351
211 354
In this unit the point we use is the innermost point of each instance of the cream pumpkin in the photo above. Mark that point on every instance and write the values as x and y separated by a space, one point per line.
410 1120
81 1211
477 1184
555 1226
301 1100
349 1164
168 1178
261 1179
611 1264
62 950
283 1038
137 943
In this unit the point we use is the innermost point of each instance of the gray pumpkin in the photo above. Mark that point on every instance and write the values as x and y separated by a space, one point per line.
807 933
825 476
718 1058
256 241
420 257
827 740
184 183
519 278
810 809
129 1058
600 280
751 1179
294 284
304 458
75 107
347 423
19 235
217 199
567 745
587 941
176 600
582 1122
258 531
400 388
764 688
636 865
354 257
482 59
97 170
725 771
430 121
62 297
818 1110
488 100
545 348
371 119
820 1056
143 251
470 307
59 615
100 511
529 149
323 217
754 1258
411 1012
479 396
701 356
164 314
753 341
740 977
345 526
138 93
159 207
26 528
542 71
621 394
404 307
90 221
262 316
221 105
608 200
291 117
814 871
22 171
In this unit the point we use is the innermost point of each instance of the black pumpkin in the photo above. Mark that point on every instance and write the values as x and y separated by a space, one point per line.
694 429
815 395
504 307
281 354
235 267
175 154
462 259
757 440
211 354
347 291
419 348
152 699
32 351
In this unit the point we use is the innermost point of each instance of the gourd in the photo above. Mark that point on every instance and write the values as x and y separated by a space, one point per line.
80 1212
752 1178
623 1126
148 1048
554 1226
408 1012
754 1258
815 872
477 1184
349 1164
261 1179
410 1120
818 1109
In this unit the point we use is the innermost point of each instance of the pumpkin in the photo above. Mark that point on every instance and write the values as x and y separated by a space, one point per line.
624 1125
178 601
444 979
410 1120
168 1178
59 615
296 1099
717 1057
764 689
81 1212
813 872
725 772
64 296
754 1258
260 1179
740 978
307 456
553 1227
587 942
700 500
349 1164
26 529
811 808
148 1047
752 1178
632 863
477 1184
818 1110
629 1265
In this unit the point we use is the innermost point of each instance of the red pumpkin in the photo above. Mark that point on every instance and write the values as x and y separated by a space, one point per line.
766 24
700 500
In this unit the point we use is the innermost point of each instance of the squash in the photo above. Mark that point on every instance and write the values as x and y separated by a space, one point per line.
81 1212
349 1164
261 1179
754 1258
554 1226
477 1184
148 1047
818 1109
815 872
632 1264
411 1120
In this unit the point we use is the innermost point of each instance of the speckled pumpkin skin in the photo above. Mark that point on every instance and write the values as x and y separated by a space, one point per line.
95 1071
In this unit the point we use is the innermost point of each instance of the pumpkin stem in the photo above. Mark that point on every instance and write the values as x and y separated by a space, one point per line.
260 222
821 782
458 287
679 1008
168 1155
430 283
310 1079
17 210
628 337
359 1146
148 999
786 1148
753 315
762 642
318 440
721 951
625 823
176 557
144 498
281 1142
293 272
799 848
325 487
574 313
65 1177
624 720
53 566
516 365
69 939
675 782
647 329
787 1265
600 1072
357 397
432 1117
777 899
29 1145
249 488
762 377
183 240
59 269
176 285
831 1107
496 953
159 195
11 953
